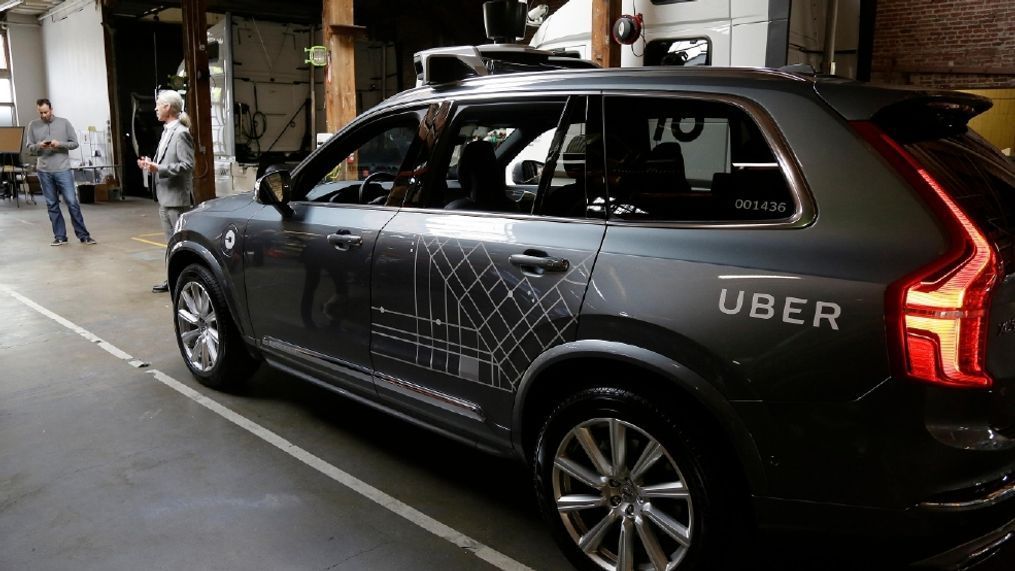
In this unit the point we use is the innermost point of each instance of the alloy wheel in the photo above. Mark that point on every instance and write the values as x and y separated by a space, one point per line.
198 327
621 497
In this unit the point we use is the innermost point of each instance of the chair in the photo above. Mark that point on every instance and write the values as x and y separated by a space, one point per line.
482 180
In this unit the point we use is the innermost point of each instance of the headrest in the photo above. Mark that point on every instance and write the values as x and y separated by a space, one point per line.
477 158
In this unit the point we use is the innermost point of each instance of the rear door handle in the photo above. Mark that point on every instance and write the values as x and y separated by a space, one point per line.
545 263
343 240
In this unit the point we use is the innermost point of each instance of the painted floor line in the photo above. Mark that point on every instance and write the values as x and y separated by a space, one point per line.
375 495
159 244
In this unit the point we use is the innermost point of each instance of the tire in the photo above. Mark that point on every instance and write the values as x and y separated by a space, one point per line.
665 507
209 341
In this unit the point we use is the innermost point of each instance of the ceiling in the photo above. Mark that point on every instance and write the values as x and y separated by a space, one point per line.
34 7
297 11
448 21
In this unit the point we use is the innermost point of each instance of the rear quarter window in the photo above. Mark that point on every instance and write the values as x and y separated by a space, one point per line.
682 160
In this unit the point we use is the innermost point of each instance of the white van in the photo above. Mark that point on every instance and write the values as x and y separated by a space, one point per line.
751 33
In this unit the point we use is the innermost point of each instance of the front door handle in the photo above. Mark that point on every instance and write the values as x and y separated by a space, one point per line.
545 263
343 240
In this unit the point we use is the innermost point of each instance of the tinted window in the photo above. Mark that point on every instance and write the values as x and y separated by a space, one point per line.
687 160
391 152
487 149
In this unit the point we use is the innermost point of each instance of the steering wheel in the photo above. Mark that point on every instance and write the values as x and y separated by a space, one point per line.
370 180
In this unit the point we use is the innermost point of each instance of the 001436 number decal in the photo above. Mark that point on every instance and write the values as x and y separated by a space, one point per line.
762 205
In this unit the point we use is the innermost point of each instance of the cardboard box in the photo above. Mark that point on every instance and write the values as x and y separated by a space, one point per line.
108 189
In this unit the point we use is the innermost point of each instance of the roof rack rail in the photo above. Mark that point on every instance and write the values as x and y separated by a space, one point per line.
451 64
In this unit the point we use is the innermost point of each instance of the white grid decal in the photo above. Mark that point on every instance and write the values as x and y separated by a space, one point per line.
470 319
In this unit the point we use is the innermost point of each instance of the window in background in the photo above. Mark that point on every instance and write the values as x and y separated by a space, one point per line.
7 109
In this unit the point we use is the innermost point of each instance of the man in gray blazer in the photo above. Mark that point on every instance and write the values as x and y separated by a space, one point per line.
173 165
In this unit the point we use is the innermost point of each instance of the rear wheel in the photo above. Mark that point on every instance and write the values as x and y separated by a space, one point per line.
205 332
625 485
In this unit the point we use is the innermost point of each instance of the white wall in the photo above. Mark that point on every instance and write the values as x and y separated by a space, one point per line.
269 57
75 62
27 64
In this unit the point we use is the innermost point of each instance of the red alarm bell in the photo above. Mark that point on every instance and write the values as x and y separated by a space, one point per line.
627 29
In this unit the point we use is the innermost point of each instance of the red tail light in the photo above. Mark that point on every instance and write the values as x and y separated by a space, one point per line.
938 314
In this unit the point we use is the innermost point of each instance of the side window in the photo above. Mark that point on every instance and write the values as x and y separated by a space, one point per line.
493 157
376 164
681 52
378 157
689 160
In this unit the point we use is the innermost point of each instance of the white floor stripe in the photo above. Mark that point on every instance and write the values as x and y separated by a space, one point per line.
386 501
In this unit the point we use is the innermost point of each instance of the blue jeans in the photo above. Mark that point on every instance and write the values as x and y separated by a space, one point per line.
57 184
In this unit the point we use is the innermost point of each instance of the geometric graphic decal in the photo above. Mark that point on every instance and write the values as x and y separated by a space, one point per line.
470 320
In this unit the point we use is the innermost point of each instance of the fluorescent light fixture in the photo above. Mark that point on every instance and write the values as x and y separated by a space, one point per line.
10 4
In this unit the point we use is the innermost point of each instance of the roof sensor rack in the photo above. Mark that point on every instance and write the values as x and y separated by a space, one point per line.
448 65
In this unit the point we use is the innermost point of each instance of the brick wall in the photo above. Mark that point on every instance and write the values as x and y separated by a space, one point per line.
956 44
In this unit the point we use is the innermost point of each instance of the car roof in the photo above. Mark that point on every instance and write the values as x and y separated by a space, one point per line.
852 99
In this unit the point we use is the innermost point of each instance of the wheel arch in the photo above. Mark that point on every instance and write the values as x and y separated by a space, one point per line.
185 253
541 386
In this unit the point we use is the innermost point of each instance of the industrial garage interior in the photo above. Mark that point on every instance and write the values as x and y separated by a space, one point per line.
112 456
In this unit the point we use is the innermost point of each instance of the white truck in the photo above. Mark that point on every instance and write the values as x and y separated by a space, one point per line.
751 33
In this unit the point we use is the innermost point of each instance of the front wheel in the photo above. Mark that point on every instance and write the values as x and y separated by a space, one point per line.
208 339
625 485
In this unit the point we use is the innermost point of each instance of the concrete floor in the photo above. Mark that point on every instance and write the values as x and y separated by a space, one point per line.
104 467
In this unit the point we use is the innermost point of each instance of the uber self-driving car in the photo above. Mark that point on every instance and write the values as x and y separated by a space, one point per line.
706 306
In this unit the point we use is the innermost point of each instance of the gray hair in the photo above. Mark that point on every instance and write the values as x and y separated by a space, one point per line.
171 98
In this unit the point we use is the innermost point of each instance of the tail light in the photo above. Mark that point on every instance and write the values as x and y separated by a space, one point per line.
938 314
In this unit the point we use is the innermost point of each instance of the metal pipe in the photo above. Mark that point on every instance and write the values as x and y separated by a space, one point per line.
831 17
313 94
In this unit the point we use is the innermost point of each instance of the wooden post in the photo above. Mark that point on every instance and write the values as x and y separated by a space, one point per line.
113 85
195 54
605 51
340 78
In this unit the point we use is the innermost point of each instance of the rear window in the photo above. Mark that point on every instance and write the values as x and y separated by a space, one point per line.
979 178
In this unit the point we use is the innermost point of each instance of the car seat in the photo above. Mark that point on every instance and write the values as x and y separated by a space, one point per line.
663 170
482 180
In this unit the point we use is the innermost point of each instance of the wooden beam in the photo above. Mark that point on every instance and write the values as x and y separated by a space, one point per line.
195 56
605 51
113 86
340 76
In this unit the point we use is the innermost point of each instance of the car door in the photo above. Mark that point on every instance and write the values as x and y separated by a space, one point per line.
469 287
308 274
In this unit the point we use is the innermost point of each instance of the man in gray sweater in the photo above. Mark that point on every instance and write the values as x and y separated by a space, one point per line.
52 138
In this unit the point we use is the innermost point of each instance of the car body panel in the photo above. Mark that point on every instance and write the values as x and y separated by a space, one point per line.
309 298
472 322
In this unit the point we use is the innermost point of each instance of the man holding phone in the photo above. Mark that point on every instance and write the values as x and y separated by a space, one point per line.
52 138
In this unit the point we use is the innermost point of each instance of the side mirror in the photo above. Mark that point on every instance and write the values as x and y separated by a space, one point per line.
273 189
526 172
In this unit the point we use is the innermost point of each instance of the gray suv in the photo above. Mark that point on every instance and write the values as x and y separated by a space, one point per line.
711 308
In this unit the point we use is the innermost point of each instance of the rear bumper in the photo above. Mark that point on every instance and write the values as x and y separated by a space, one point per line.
994 550
957 532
